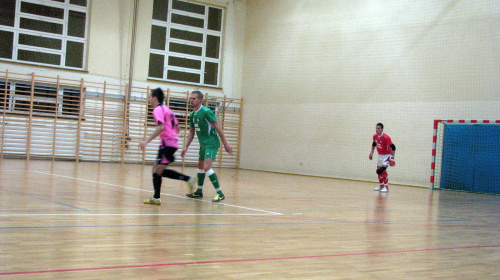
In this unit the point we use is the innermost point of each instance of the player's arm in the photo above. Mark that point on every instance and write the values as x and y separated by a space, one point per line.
373 149
393 152
189 139
155 134
222 137
175 123
392 162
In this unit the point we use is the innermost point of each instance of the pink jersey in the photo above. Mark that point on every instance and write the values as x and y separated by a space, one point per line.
384 143
168 137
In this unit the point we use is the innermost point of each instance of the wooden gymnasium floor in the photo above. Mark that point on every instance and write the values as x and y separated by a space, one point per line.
67 220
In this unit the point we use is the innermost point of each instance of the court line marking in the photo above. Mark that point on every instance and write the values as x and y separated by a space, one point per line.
220 225
128 214
172 195
42 198
56 202
424 223
246 260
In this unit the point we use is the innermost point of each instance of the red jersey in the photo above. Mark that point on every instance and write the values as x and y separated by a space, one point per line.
383 142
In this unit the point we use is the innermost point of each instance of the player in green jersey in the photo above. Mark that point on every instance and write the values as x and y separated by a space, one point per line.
203 121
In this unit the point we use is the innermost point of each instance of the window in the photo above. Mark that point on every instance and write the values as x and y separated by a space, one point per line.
44 99
43 32
186 42
47 100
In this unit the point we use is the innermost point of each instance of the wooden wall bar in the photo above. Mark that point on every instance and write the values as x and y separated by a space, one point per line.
63 119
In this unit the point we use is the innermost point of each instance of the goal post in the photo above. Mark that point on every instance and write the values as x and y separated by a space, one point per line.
466 155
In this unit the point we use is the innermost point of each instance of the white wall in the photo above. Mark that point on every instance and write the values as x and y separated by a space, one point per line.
318 76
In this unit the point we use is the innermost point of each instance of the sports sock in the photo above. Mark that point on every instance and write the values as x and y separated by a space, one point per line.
156 185
383 179
201 178
213 178
172 174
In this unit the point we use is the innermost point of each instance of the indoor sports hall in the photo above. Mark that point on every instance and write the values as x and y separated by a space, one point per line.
298 88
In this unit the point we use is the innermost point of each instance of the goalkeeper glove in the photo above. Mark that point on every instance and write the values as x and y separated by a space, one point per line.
392 162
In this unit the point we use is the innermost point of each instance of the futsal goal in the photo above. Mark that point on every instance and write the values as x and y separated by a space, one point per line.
466 156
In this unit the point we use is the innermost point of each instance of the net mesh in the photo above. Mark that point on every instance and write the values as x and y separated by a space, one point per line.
468 157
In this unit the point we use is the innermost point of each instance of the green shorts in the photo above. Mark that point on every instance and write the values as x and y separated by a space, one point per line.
208 152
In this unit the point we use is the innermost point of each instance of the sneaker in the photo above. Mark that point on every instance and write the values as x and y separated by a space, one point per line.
190 183
195 195
218 198
384 189
152 200
377 188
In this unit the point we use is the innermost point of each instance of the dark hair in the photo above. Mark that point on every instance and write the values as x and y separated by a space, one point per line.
159 94
381 125
197 92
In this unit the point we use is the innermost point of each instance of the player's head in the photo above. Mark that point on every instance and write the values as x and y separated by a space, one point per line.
196 99
159 94
198 93
379 128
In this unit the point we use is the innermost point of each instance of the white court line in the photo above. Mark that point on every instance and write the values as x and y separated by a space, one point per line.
136 189
81 214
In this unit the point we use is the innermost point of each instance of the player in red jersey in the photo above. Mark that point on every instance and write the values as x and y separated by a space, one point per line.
386 150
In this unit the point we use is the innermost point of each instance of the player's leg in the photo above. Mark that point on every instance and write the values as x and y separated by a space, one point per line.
382 164
380 179
384 177
172 174
379 166
210 155
391 162
155 199
162 160
200 175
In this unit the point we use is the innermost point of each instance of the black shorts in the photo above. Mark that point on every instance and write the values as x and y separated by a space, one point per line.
166 155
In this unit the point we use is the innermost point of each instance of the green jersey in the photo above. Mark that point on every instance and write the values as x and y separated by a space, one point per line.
202 121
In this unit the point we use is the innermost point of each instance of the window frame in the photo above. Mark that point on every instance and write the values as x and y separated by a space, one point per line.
162 59
48 56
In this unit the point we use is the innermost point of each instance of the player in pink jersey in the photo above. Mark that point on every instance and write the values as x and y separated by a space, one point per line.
167 128
386 150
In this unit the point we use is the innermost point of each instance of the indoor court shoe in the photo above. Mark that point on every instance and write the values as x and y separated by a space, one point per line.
190 183
194 195
152 200
384 189
377 188
218 198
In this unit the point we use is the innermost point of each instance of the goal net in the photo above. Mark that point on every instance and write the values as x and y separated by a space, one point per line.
466 155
